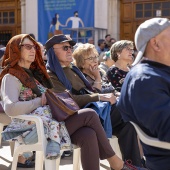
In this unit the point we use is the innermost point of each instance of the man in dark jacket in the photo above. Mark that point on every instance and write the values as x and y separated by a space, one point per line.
145 95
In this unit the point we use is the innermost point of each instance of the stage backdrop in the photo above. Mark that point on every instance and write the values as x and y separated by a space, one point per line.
55 15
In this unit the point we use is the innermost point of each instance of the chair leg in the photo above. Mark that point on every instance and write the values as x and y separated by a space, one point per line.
14 161
39 160
76 159
1 129
58 163
115 145
50 164
11 143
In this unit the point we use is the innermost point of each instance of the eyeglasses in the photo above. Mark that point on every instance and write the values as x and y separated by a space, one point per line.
29 46
130 50
65 48
92 58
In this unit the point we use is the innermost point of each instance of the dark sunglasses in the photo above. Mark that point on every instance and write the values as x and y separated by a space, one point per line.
65 48
29 46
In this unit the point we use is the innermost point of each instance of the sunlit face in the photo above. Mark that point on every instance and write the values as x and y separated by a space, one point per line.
64 56
163 46
90 61
28 51
126 54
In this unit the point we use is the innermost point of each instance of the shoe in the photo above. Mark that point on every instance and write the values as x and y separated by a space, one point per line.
66 154
27 164
128 166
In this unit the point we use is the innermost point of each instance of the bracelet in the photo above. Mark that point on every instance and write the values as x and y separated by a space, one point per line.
97 82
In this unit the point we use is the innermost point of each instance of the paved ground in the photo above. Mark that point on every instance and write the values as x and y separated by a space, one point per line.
66 163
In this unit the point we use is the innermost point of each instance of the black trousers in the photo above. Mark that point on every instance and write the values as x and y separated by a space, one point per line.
127 137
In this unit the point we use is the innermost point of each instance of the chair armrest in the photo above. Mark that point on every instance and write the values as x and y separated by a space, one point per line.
38 122
151 141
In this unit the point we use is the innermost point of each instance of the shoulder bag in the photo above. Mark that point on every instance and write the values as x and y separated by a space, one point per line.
62 105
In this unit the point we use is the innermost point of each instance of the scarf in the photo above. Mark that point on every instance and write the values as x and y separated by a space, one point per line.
10 64
54 66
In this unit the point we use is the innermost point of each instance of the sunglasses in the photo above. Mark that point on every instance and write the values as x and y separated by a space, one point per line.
65 48
29 46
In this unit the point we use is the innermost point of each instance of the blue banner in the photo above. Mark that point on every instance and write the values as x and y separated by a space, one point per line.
58 16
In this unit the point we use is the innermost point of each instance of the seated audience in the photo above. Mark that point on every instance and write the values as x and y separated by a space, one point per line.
65 75
25 70
112 41
107 41
121 53
145 94
91 40
107 62
101 46
89 67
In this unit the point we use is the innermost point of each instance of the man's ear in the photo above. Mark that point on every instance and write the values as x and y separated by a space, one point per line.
154 42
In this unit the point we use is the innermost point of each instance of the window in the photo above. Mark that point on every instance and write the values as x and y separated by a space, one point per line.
155 9
7 17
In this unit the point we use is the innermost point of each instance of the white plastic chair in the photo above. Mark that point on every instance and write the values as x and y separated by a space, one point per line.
40 148
115 145
4 120
150 140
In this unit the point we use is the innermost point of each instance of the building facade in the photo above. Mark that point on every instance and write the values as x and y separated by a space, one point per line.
120 18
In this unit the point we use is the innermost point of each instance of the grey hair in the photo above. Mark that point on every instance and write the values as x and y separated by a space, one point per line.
118 46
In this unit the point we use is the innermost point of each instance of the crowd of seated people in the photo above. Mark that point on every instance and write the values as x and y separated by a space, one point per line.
78 72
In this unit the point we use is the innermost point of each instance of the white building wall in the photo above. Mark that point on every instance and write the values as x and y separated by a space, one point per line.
100 14
29 18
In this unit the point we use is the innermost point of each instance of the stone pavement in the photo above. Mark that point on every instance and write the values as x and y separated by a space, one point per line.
66 163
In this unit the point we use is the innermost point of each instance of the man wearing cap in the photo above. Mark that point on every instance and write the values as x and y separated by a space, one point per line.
145 95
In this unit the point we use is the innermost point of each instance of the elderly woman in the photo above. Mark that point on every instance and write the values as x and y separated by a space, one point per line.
25 71
86 59
85 132
122 53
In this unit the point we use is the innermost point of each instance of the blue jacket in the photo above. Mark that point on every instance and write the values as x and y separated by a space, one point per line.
145 100
103 110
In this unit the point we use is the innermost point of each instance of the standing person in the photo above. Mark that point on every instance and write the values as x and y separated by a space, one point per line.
145 94
121 53
65 75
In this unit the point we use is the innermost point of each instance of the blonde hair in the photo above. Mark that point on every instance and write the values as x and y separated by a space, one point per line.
81 52
118 46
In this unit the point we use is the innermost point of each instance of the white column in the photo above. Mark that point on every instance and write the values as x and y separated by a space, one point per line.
23 20
114 18
32 17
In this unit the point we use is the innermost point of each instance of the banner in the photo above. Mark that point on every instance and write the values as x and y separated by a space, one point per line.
64 16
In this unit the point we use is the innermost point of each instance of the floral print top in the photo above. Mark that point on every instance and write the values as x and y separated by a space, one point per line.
116 76
27 94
